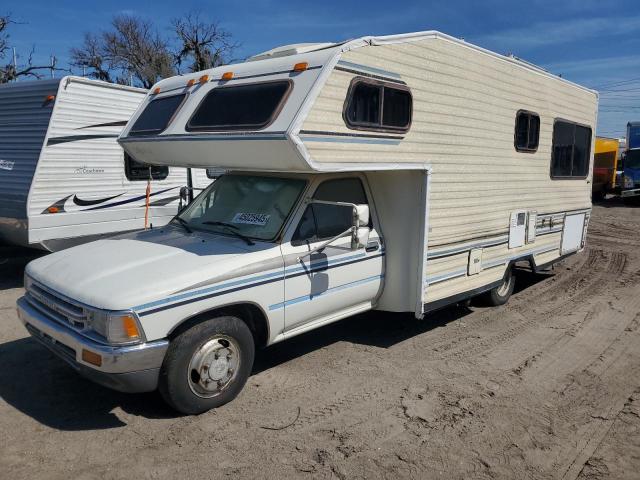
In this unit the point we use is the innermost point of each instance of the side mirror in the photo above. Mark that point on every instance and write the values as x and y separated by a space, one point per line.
361 231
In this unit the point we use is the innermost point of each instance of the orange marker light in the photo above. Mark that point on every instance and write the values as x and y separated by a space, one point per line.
204 79
50 98
156 90
227 75
53 210
91 357
300 67
191 82
130 327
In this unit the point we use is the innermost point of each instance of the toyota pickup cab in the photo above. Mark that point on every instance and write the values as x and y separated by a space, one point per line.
261 257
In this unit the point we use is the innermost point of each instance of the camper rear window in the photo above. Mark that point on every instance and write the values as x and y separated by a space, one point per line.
242 107
527 132
138 171
156 117
571 150
378 106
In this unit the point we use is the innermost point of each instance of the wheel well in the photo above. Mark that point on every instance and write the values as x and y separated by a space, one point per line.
249 313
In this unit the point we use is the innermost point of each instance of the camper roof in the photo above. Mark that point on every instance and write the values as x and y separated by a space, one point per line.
293 49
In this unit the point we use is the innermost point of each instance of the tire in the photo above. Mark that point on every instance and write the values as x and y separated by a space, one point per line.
500 294
207 365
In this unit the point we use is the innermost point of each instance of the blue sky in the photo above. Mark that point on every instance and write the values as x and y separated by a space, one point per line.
593 42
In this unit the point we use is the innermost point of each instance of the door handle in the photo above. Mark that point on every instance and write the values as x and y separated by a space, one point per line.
372 247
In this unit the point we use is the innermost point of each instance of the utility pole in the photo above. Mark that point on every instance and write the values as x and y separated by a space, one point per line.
15 63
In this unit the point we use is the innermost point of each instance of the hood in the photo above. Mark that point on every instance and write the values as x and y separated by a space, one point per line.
132 269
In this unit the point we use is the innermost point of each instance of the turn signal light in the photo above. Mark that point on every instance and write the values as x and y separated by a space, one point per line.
53 210
204 79
156 90
91 357
227 75
130 327
300 67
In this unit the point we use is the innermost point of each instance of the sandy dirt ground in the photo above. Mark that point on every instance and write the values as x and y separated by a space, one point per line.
547 386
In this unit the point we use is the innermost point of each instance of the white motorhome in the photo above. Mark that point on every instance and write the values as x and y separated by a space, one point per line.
63 177
400 173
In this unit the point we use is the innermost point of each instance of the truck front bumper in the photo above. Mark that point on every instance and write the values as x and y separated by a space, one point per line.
130 368
631 193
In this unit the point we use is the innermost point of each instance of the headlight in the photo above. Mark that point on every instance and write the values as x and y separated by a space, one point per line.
627 182
116 327
27 282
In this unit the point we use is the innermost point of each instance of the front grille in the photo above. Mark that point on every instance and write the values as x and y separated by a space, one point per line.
64 350
57 308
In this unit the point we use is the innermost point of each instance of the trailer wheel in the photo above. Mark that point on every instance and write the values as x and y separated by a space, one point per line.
500 295
207 365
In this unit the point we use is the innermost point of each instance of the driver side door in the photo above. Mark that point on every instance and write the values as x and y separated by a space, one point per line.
336 281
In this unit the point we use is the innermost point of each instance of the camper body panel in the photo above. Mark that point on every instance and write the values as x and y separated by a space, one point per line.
465 102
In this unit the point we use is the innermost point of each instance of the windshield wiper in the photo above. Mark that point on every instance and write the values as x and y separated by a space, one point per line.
184 223
232 229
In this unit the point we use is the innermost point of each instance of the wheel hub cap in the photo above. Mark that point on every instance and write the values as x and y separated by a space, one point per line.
213 366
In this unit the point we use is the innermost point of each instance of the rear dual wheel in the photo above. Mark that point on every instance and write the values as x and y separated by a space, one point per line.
500 295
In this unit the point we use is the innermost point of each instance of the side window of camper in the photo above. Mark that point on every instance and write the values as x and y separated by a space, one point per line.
156 116
322 222
527 134
378 106
138 171
571 150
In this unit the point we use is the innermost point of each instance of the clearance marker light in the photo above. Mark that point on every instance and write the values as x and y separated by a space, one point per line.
300 67
156 90
191 82
52 209
227 75
204 79
50 98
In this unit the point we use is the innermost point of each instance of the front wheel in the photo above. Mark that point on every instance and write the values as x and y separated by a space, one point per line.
207 365
500 295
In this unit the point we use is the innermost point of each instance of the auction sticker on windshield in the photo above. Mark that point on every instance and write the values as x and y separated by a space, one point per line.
251 218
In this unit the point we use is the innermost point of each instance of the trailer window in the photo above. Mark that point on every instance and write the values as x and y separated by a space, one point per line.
527 134
322 222
157 116
242 107
378 106
138 171
571 150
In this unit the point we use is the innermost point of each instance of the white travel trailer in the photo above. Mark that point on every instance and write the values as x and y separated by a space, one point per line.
398 173
63 177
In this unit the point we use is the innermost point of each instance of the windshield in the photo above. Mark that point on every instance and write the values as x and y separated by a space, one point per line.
633 159
249 205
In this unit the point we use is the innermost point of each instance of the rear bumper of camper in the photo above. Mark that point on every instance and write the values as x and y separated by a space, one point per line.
132 368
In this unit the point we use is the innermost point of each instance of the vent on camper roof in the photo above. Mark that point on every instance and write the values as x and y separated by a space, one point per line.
287 50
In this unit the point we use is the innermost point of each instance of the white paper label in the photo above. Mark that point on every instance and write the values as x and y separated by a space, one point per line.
6 165
251 218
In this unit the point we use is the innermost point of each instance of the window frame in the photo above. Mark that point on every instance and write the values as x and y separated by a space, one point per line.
128 158
589 164
251 128
133 133
298 219
530 114
372 127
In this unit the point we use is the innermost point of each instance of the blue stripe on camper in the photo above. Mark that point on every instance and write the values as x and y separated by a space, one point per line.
229 287
307 298
337 139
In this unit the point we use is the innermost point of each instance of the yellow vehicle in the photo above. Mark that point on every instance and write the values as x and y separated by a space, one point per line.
605 161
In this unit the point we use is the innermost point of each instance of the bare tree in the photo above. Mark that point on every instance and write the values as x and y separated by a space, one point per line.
131 48
91 56
204 44
12 70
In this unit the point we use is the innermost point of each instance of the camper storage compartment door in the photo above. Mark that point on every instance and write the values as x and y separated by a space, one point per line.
572 233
